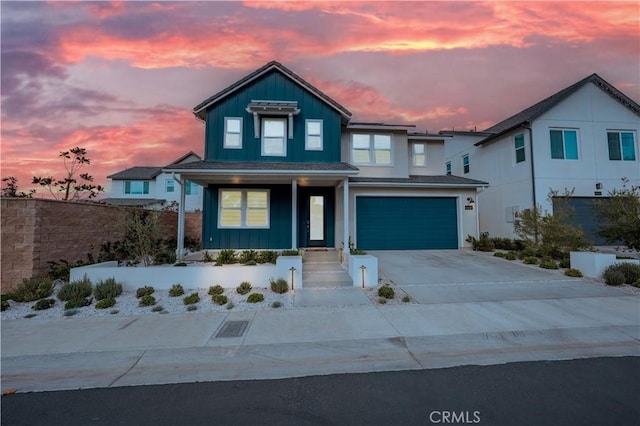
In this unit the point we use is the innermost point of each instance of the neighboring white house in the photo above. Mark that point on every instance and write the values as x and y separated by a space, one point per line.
584 138
151 188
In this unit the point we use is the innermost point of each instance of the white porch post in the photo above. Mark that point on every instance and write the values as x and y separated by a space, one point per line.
345 213
294 214
180 249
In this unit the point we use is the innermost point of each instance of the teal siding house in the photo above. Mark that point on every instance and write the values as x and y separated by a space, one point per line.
285 167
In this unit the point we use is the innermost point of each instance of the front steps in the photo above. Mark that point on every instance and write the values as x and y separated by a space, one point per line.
322 269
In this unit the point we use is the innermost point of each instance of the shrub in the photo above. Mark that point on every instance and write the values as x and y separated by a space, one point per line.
484 243
503 243
191 308
105 303
77 303
510 256
637 283
613 276
207 258
548 263
500 254
144 291
248 256
230 305
255 298
290 253
386 292
176 290
276 304
147 300
226 257
406 298
530 260
79 289
279 286
267 256
216 289
157 308
165 256
573 273
5 305
43 304
219 299
565 262
630 271
32 289
382 300
192 299
108 288
244 287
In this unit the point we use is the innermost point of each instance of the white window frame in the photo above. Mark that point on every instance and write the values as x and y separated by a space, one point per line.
516 149
284 136
170 183
372 149
414 154
190 188
226 132
243 208
137 182
308 134
563 132
619 133
468 164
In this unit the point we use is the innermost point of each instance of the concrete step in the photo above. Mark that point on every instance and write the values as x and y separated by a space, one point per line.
325 284
330 256
328 276
323 267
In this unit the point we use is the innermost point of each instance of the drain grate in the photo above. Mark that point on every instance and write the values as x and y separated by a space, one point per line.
233 329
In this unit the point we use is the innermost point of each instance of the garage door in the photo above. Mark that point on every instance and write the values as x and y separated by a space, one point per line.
406 223
583 214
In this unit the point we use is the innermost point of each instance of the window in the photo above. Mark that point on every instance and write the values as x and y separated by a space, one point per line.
447 167
419 157
170 187
136 187
245 208
190 188
232 133
313 141
274 137
621 146
564 144
465 164
371 149
519 146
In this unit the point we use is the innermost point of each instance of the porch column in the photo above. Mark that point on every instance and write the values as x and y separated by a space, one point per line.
294 214
345 214
180 249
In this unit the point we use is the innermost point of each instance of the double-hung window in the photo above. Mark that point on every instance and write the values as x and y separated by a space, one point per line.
518 142
171 185
465 164
622 146
190 188
419 154
313 135
564 144
136 187
274 137
243 208
447 167
371 149
233 132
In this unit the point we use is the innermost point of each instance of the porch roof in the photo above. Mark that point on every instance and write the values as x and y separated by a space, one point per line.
267 167
442 181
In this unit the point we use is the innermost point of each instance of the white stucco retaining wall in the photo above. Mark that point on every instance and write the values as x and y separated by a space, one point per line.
592 265
354 265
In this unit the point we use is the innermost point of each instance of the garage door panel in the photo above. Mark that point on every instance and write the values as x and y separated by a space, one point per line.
406 223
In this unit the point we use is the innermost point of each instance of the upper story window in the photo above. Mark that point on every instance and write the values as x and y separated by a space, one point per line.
371 149
447 167
136 187
170 185
274 137
243 208
622 146
233 132
313 135
465 164
518 142
564 144
190 188
419 154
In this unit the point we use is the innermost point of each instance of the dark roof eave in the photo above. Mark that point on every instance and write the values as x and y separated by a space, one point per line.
525 124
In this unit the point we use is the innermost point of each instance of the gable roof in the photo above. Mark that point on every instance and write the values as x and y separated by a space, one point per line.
184 157
199 110
535 111
136 173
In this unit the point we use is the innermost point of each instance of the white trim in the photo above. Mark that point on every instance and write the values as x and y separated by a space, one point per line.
468 163
263 172
224 136
244 208
306 134
263 121
413 154
294 214
372 150
376 126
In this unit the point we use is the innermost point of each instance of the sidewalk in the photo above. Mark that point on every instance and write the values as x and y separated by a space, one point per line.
74 353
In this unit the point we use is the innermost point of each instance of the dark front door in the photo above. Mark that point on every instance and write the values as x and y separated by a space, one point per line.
316 207
316 220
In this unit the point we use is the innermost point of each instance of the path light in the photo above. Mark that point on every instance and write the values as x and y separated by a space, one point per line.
362 269
293 270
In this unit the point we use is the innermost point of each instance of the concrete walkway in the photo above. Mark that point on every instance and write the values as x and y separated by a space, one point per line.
450 326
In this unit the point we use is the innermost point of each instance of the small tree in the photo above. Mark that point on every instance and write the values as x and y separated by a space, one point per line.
11 189
619 215
75 185
143 238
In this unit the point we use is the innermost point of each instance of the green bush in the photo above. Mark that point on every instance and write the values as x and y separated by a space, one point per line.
77 303
192 299
548 263
290 253
565 262
227 257
147 300
144 291
255 298
79 289
108 288
613 276
530 260
207 258
33 288
630 271
503 243
573 273
216 289
527 252
267 256
406 298
176 290
4 305
510 256
484 243
248 256
276 304
500 254
386 292
219 299
105 303
279 286
164 257
43 304
637 283
244 287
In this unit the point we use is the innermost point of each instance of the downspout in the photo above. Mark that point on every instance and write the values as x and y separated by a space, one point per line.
180 249
527 125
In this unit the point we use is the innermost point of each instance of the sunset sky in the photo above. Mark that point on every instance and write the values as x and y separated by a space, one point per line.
121 78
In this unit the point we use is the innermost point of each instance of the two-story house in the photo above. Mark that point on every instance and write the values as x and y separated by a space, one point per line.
285 167
151 188
583 138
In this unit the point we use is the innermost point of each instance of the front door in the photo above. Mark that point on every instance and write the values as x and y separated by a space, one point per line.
316 221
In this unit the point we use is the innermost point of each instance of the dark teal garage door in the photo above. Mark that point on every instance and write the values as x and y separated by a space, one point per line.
406 223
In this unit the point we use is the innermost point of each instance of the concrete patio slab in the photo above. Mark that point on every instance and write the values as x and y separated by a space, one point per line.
345 296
